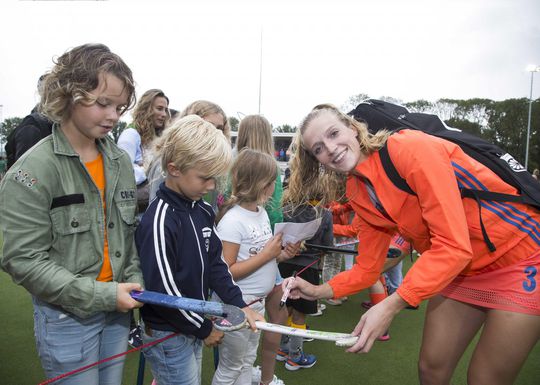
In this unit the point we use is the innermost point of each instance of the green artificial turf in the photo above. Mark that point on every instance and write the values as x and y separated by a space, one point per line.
391 362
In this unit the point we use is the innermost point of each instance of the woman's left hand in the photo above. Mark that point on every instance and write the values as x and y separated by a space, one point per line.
375 322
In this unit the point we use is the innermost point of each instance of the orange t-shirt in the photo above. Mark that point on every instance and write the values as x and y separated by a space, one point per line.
97 172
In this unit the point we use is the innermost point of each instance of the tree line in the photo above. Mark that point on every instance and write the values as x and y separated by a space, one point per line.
500 122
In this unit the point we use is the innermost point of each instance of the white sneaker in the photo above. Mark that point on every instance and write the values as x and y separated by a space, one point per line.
256 377
276 381
256 374
334 302
320 308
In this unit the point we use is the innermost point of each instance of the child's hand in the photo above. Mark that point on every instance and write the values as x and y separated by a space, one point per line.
289 251
252 316
214 338
124 301
272 249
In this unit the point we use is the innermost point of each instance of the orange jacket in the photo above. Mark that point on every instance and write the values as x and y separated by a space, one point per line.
444 228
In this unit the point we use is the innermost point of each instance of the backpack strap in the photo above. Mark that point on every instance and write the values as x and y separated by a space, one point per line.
391 171
477 195
491 196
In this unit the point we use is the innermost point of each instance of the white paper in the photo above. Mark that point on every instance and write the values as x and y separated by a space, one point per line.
294 232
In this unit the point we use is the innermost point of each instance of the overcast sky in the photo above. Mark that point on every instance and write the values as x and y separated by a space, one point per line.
312 51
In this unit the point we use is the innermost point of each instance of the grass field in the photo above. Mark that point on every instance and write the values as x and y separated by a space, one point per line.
391 362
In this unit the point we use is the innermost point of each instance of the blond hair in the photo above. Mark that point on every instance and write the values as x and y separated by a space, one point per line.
75 74
143 116
308 177
251 173
255 132
203 108
192 142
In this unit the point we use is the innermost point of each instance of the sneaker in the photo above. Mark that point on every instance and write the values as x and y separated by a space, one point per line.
256 374
334 302
384 337
367 305
275 381
303 361
135 337
343 299
282 355
319 312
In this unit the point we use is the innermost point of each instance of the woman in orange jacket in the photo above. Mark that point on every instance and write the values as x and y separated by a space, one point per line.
469 287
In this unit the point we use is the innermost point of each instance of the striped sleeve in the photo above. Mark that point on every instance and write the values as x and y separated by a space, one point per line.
162 250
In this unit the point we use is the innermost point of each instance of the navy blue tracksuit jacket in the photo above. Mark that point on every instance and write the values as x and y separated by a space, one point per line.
181 255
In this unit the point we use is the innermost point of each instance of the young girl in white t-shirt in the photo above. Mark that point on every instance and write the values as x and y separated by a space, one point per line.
252 254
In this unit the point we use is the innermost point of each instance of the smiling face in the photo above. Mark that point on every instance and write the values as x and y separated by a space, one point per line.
160 112
332 142
91 121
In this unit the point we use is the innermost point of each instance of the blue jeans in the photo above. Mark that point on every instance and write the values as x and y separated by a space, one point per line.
65 343
176 361
394 277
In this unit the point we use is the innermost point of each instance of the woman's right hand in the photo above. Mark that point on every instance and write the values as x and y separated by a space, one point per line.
300 288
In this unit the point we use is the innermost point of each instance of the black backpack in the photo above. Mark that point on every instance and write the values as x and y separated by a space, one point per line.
34 119
383 115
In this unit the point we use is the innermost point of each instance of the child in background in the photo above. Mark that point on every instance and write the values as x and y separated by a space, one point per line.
292 351
68 213
212 113
341 217
251 252
255 132
181 252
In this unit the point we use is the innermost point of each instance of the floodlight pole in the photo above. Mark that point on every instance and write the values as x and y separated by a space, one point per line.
532 69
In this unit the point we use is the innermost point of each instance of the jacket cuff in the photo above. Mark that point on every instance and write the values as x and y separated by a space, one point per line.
105 295
336 290
408 296
205 329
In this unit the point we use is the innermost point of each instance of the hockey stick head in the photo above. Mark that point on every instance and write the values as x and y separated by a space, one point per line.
234 319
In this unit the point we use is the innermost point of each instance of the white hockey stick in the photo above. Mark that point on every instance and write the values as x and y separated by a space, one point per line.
233 318
341 339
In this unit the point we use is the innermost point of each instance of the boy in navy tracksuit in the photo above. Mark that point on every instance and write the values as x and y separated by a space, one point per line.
180 251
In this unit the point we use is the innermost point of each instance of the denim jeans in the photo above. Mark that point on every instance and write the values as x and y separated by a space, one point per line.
394 277
176 361
65 343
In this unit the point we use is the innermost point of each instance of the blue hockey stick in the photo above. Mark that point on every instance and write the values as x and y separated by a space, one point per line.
231 317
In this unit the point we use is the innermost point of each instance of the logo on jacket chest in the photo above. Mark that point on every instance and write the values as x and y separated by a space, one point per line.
206 233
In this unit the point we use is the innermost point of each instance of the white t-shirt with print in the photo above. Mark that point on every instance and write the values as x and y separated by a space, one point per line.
251 230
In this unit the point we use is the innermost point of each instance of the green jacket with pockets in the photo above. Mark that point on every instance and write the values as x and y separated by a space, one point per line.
51 217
